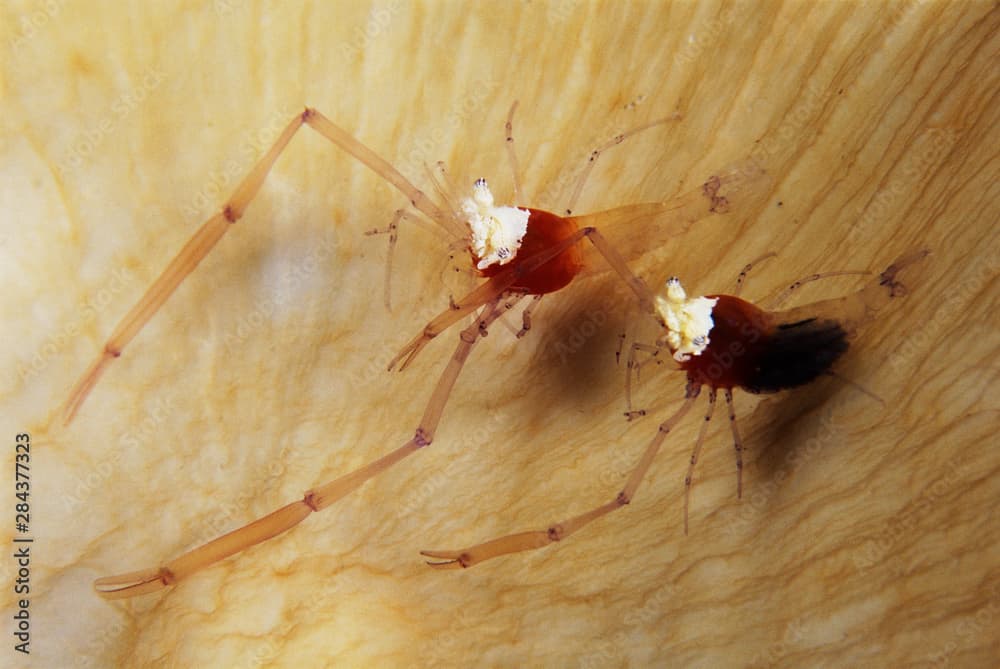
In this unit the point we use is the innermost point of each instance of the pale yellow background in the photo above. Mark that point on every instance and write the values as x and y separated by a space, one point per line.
867 535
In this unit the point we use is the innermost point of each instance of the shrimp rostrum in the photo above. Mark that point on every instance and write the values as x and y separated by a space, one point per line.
723 342
517 251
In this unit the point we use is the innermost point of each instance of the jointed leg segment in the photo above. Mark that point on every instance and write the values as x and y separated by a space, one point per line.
512 152
317 499
635 365
737 442
741 279
596 153
782 297
689 479
393 231
205 239
526 316
485 292
525 541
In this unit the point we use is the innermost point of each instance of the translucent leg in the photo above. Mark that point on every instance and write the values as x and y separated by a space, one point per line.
782 297
205 239
393 231
741 279
635 365
737 442
689 479
525 541
596 153
526 316
317 499
512 153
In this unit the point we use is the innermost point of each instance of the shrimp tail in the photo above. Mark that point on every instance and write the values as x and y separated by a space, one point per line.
853 312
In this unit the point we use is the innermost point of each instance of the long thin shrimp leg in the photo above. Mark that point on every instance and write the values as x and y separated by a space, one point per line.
525 541
393 231
633 366
512 152
737 442
596 153
742 277
858 308
782 297
153 579
205 239
591 159
689 479
526 316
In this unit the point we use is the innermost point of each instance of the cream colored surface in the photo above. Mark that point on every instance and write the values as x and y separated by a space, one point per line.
867 535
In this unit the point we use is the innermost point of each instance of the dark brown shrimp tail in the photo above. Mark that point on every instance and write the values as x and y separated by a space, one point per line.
858 309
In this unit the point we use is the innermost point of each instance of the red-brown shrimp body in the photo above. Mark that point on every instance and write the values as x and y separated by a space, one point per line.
545 230
735 345
752 349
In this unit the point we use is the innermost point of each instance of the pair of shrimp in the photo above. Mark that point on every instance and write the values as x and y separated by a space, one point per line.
530 252
519 252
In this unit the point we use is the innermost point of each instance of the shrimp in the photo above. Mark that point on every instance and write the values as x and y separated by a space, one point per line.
723 342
